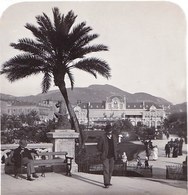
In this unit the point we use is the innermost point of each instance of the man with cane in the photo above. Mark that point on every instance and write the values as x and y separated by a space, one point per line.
107 147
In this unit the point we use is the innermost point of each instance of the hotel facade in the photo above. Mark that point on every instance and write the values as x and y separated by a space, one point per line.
95 113
116 107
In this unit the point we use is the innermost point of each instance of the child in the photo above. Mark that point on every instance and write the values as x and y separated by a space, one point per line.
139 163
124 157
146 162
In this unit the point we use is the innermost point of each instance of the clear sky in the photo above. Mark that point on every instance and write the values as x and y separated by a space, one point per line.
146 40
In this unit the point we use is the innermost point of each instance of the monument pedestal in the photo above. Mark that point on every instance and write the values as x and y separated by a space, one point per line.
64 140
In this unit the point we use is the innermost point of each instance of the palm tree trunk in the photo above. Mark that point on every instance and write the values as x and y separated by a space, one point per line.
73 118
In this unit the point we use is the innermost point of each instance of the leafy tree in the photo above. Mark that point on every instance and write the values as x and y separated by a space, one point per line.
16 121
22 118
177 123
123 125
32 118
10 122
57 50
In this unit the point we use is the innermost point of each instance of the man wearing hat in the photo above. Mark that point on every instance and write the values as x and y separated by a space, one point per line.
107 147
22 156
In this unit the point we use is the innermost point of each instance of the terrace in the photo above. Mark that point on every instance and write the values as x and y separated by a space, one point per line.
84 183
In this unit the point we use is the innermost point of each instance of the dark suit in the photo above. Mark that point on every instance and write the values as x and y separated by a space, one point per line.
108 153
23 157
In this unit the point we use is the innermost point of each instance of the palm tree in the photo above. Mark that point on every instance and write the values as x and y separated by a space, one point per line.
58 48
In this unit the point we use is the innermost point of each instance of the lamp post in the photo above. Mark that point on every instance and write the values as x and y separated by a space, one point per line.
87 106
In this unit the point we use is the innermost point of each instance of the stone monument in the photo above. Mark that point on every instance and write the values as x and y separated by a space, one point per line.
63 139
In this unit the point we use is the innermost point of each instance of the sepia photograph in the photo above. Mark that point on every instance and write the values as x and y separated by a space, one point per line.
93 97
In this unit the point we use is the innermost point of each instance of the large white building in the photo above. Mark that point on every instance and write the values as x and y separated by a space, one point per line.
116 107
45 109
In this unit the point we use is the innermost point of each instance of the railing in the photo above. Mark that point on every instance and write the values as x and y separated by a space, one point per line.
175 172
86 167
93 165
142 171
7 148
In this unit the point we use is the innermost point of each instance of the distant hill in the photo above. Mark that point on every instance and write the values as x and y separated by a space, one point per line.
178 108
6 97
93 93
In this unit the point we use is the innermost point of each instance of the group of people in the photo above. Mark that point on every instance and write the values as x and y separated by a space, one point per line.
174 147
151 151
139 162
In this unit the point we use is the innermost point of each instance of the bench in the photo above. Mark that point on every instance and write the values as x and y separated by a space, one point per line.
54 159
175 172
49 159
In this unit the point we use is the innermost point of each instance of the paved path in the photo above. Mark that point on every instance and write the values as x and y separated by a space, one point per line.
88 184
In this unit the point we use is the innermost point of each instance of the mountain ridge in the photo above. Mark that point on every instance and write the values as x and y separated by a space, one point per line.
92 93
97 93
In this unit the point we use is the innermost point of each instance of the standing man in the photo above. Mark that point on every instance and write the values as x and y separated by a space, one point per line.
22 156
167 149
147 149
107 147
180 146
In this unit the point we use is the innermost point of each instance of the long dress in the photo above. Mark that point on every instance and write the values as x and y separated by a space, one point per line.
155 153
175 151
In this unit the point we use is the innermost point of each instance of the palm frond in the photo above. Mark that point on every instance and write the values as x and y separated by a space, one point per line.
22 66
81 52
37 33
85 39
52 35
46 82
47 23
28 45
94 66
95 48
57 17
79 31
43 24
68 21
